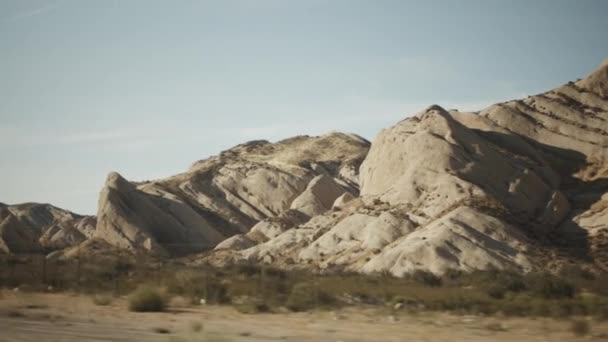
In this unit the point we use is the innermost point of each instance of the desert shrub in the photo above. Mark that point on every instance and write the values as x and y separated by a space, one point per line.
495 283
596 306
196 326
305 296
252 307
517 306
452 275
426 278
275 273
495 327
122 266
540 307
580 327
548 286
216 292
567 307
161 330
190 284
102 300
15 314
147 299
203 338
574 273
403 301
461 303
598 285
247 269
198 284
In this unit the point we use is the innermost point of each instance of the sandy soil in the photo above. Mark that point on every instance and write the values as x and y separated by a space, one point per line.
67 318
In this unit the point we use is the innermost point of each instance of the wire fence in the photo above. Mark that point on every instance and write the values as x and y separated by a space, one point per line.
119 274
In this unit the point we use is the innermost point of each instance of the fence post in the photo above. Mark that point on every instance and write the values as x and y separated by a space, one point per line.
262 275
115 276
78 271
44 278
317 292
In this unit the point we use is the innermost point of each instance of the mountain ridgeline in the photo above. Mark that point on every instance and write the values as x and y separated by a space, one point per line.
521 185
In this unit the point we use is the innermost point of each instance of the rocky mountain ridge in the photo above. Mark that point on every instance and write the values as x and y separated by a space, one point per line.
519 185
36 228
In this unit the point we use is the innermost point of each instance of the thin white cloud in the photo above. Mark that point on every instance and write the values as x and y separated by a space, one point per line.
50 6
96 136
357 114
364 116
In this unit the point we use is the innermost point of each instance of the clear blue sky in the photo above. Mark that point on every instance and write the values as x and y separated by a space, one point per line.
146 87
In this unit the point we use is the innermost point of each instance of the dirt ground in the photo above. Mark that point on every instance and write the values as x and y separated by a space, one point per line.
69 317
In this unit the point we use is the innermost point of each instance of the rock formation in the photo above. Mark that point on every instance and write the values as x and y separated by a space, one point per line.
519 185
225 195
35 228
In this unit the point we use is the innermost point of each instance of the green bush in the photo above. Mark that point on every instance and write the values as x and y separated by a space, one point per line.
147 299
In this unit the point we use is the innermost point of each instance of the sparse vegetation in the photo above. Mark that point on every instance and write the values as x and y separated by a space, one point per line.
102 300
204 338
305 296
196 327
256 289
252 306
147 299
580 327
495 327
161 330
426 278
549 286
15 314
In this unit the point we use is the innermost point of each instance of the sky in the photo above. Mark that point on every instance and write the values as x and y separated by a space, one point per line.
147 87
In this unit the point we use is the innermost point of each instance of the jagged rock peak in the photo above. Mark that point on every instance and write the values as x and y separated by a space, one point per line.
117 182
293 151
597 81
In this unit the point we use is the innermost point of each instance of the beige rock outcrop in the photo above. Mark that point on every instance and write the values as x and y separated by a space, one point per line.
341 201
319 196
228 194
36 228
518 186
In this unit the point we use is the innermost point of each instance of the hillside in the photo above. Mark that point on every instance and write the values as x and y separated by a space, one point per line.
520 185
